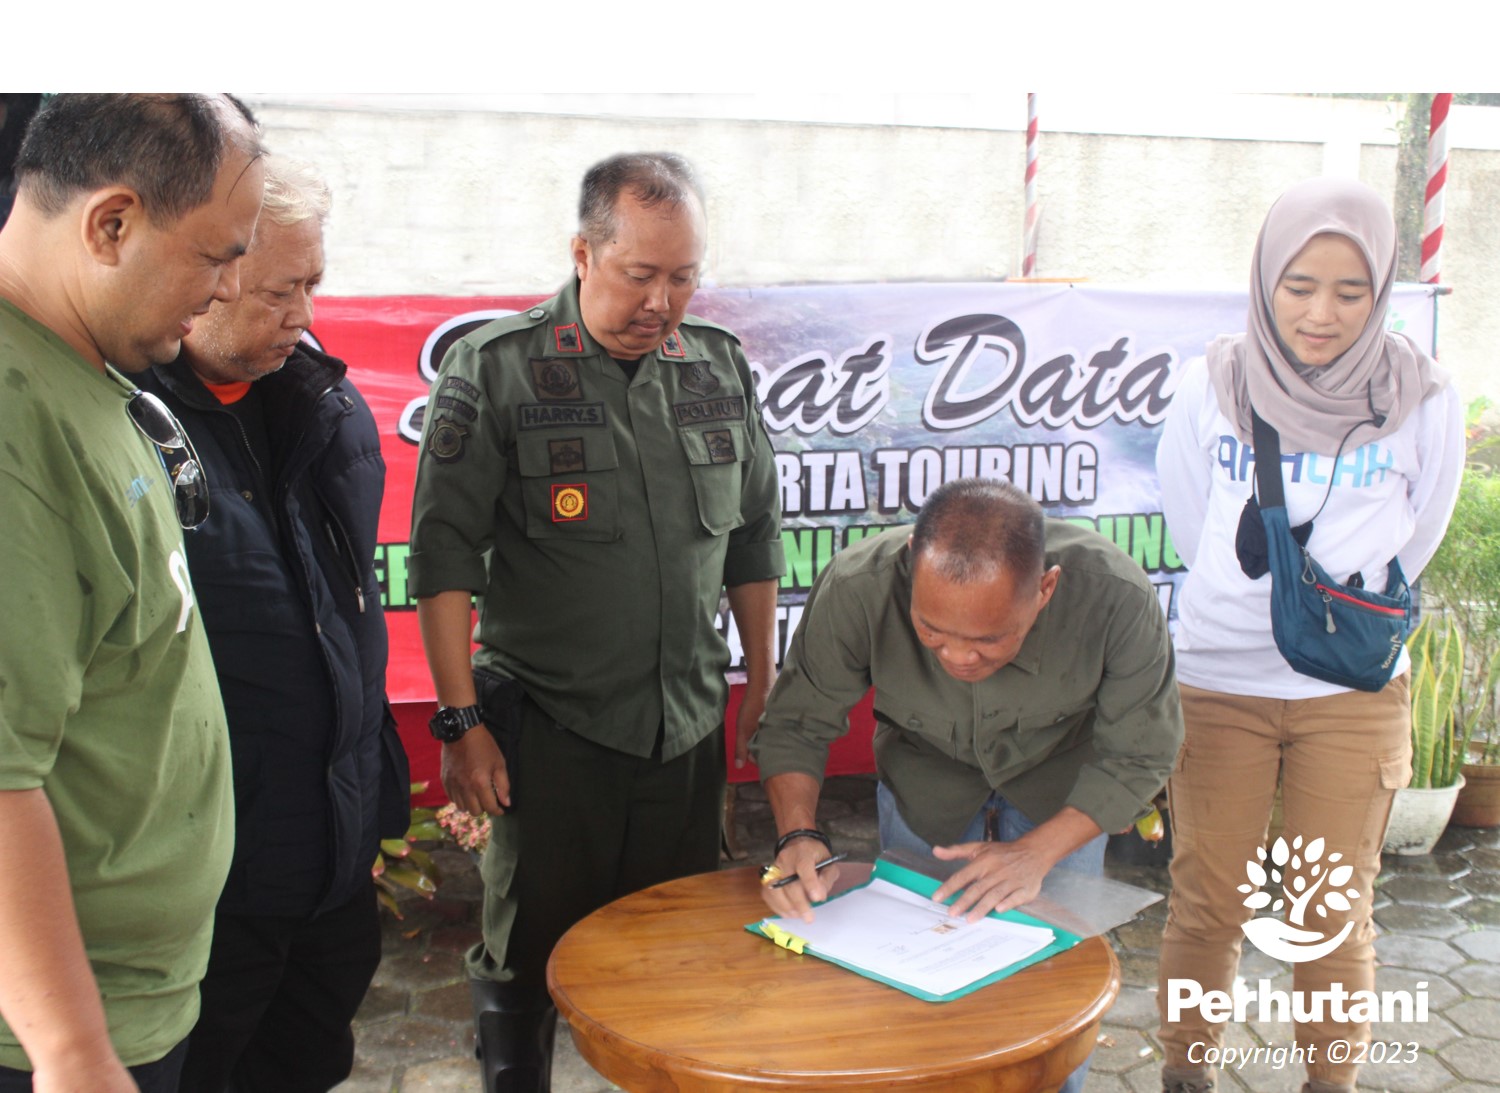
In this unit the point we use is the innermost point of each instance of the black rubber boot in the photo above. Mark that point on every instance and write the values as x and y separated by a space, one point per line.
513 1032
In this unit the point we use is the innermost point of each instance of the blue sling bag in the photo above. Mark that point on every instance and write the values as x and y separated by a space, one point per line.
1339 633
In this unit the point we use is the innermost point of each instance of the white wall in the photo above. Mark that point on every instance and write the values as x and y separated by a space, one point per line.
467 195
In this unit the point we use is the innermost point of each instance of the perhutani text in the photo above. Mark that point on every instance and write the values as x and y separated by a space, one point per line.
1264 1003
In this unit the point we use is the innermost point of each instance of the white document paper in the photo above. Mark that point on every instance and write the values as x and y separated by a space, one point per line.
895 933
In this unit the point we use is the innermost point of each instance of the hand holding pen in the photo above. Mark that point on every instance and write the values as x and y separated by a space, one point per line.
771 877
801 855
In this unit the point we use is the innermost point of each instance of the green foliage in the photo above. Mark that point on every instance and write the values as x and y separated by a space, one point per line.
1437 657
401 866
1463 582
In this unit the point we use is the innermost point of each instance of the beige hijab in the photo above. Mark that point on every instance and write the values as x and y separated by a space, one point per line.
1314 407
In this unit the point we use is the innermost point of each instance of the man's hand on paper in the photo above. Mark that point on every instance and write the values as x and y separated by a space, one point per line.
1002 875
999 876
796 900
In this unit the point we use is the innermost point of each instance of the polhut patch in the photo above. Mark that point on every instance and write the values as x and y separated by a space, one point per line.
556 381
567 338
697 377
570 502
446 441
566 456
713 409
720 445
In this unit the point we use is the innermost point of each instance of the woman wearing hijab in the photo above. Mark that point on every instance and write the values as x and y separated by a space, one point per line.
1371 435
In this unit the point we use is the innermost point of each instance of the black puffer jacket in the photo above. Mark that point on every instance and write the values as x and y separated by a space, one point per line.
283 570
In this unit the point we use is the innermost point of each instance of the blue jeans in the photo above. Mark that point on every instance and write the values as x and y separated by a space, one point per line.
1088 858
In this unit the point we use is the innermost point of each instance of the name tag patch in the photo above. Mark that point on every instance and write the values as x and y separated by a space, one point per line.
712 409
544 415
570 502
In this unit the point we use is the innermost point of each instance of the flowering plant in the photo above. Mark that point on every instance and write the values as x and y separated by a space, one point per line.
469 831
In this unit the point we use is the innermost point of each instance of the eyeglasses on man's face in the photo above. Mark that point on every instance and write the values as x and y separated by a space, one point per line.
189 483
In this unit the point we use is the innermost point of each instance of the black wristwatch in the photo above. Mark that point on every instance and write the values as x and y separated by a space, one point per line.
451 722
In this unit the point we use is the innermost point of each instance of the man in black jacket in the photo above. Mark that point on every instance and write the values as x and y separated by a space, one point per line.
283 572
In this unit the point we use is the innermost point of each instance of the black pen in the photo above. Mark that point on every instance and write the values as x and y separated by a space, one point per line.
824 864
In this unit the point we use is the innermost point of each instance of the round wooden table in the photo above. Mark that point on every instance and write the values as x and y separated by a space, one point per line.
664 990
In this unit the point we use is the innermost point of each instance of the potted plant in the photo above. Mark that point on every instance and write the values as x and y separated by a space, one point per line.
1421 810
402 866
1462 584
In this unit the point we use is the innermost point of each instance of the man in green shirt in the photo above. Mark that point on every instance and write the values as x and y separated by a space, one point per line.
115 800
597 471
1025 701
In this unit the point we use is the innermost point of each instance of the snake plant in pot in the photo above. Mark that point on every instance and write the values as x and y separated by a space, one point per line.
1420 811
1462 585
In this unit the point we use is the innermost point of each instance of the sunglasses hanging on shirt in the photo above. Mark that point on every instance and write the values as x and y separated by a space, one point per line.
189 483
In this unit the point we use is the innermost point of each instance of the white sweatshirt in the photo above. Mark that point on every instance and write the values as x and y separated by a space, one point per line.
1392 496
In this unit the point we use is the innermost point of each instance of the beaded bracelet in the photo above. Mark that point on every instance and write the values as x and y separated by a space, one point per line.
803 833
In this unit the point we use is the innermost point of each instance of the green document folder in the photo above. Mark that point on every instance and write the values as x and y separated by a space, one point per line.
923 885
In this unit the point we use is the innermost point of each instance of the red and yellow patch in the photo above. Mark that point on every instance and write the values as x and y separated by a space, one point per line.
570 502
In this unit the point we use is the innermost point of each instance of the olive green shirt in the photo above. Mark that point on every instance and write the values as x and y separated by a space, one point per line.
598 517
108 699
1085 715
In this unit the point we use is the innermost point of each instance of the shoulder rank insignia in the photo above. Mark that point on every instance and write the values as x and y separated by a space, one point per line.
697 377
554 381
567 338
673 346
570 501
446 441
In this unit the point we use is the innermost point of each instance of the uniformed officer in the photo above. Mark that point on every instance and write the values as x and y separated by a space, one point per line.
596 469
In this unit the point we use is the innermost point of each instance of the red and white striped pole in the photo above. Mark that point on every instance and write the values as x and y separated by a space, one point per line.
1028 257
1437 178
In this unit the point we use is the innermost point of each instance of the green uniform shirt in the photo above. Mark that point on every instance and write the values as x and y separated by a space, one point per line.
599 518
108 699
1085 715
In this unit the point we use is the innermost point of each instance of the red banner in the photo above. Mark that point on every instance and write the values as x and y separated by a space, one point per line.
393 346
873 395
